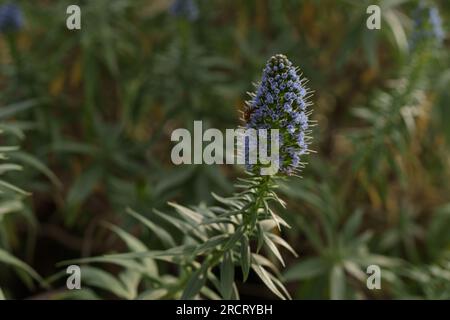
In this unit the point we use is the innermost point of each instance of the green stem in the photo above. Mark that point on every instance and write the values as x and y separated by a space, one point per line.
251 217
15 53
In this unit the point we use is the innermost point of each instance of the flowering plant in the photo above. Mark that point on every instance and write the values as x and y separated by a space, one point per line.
219 238
281 103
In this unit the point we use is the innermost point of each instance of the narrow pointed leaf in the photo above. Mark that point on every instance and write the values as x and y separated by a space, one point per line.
226 276
162 234
245 257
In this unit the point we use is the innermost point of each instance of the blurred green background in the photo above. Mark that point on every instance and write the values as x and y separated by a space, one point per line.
93 109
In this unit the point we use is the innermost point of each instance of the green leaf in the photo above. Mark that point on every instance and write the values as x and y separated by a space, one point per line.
195 283
9 259
233 239
162 234
74 147
173 179
355 270
352 225
6 167
103 280
181 225
311 233
226 201
132 242
193 216
14 108
10 206
260 235
123 260
83 186
7 186
210 294
395 24
245 257
264 276
15 129
177 223
280 241
211 243
273 248
263 261
235 293
337 283
153 294
131 280
7 149
31 161
280 285
226 275
306 269
136 245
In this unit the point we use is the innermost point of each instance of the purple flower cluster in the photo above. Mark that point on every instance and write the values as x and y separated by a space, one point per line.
184 8
427 25
10 18
281 102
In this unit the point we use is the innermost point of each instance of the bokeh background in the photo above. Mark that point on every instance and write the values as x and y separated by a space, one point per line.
93 109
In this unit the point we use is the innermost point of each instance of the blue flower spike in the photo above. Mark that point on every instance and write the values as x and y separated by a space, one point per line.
281 102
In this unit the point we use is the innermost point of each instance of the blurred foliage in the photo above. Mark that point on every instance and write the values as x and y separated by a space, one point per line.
11 204
217 238
98 107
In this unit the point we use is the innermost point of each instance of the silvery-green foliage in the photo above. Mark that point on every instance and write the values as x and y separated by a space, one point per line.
423 281
216 240
391 117
341 246
11 198
429 279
